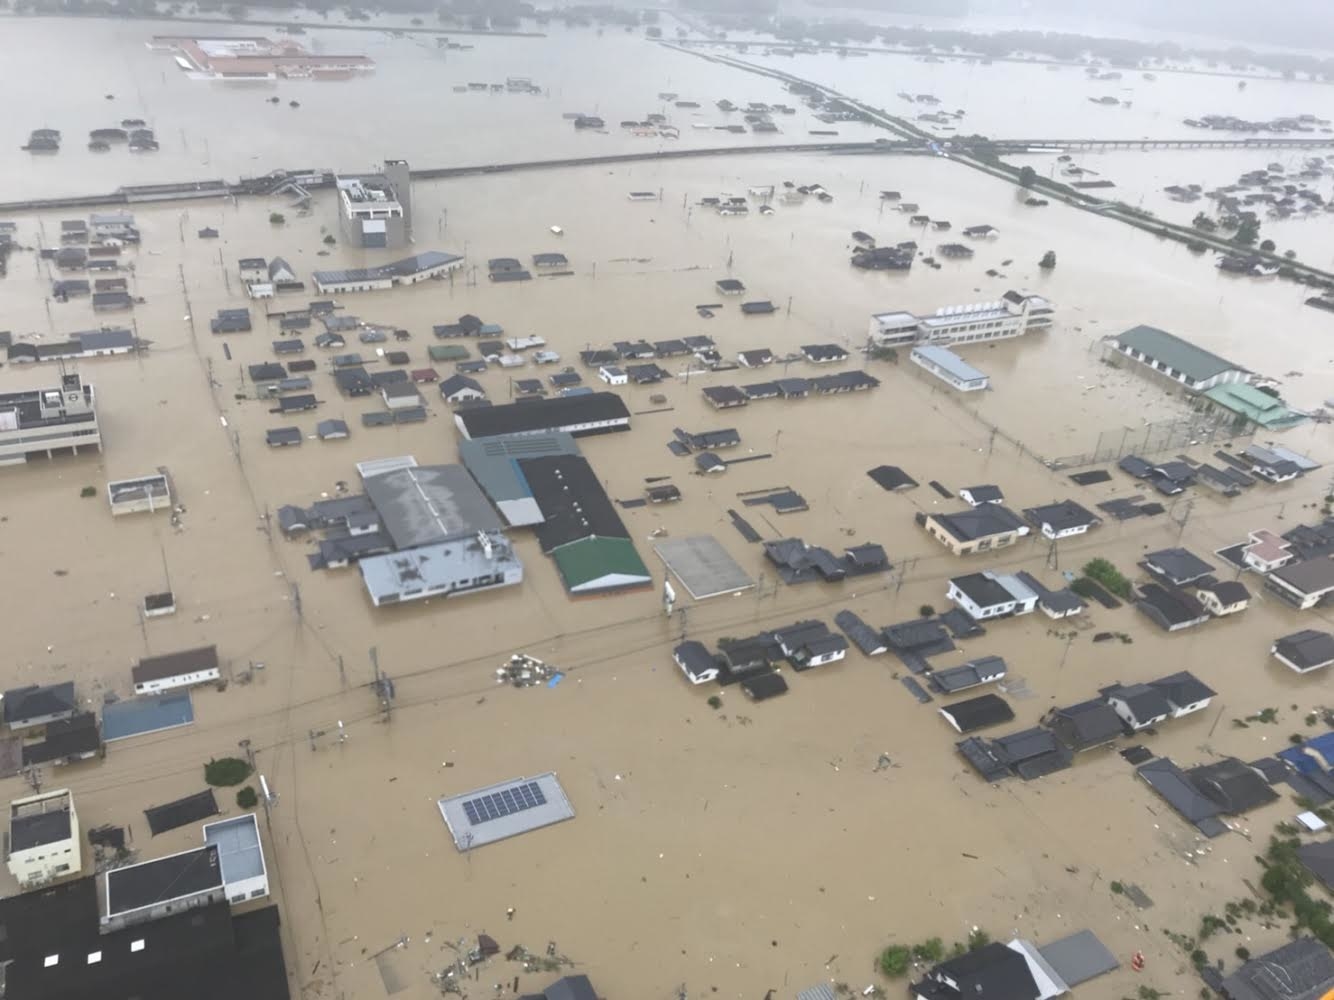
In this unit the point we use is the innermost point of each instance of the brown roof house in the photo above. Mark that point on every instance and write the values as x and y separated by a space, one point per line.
176 670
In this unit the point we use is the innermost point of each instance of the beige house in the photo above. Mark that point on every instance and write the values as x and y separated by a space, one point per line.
979 529
43 838
1226 598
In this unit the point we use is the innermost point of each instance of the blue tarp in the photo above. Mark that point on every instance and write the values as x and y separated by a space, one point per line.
146 715
1315 754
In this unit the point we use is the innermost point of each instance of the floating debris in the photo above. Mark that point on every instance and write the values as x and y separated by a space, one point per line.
526 671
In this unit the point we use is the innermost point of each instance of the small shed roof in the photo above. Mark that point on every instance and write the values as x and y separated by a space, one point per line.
279 436
1079 957
977 713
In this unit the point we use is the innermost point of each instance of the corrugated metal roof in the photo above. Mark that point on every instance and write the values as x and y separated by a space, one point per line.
1167 349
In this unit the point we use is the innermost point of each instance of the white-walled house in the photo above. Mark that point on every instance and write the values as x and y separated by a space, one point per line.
976 496
1184 692
1267 551
1225 598
1061 520
1304 584
1305 651
176 670
1138 705
696 662
992 595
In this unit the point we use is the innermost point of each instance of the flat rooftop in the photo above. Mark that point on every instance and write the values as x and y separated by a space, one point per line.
429 504
435 569
703 566
37 823
138 716
161 880
505 810
953 315
238 847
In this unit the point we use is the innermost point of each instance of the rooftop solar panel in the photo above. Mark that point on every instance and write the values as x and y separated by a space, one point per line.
505 802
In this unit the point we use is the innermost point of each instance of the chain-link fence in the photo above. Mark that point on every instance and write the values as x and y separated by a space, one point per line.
1160 436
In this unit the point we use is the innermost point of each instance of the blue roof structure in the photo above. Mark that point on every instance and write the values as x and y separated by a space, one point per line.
1316 754
138 716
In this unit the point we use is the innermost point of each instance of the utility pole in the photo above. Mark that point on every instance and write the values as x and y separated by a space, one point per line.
1185 518
1069 641
903 574
296 601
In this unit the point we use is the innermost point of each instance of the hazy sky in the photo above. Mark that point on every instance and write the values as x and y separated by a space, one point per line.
1305 23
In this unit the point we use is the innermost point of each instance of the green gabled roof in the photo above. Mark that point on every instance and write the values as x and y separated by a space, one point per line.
597 563
447 352
1195 363
1255 405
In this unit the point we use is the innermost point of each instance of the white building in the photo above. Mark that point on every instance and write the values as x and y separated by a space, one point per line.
375 210
112 224
1185 693
449 569
241 857
147 494
696 662
1226 597
951 369
408 271
400 395
1266 551
176 670
43 838
992 595
1303 584
613 375
42 421
1139 705
1305 651
1061 520
1013 316
252 269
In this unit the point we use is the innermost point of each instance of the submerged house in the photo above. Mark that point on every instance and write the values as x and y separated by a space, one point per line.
1169 608
1304 651
1170 697
1089 724
992 595
992 972
1061 520
977 529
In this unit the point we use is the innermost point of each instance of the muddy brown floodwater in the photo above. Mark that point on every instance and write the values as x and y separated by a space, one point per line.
735 849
